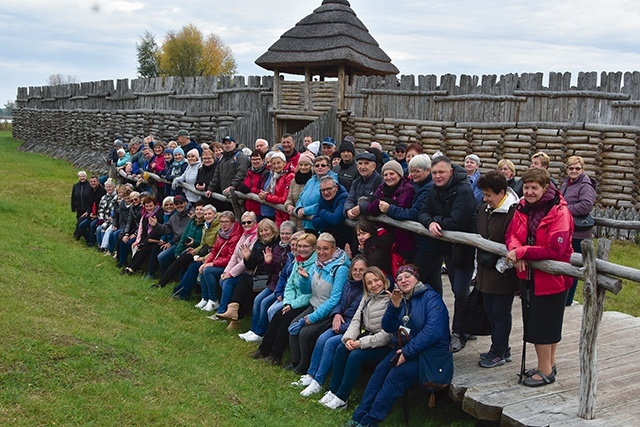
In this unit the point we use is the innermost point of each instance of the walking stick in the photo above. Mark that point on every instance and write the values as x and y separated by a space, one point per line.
524 297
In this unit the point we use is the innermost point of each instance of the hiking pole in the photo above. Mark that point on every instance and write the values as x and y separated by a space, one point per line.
524 297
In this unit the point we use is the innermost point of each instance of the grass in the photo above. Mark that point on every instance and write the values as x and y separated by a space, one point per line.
82 345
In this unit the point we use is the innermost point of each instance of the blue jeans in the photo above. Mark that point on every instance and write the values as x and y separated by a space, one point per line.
187 281
113 240
348 364
322 357
84 229
93 230
460 279
275 307
165 259
227 285
259 318
209 282
384 387
123 251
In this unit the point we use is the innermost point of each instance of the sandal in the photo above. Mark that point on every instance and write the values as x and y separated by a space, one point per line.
544 380
531 372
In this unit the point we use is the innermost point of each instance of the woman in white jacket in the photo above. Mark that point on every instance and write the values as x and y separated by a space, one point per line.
190 175
364 342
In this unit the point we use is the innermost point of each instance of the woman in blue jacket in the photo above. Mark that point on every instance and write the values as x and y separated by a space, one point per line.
418 309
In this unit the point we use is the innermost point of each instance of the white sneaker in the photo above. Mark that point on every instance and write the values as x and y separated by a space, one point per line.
328 397
211 306
304 381
312 388
336 403
201 304
243 337
253 337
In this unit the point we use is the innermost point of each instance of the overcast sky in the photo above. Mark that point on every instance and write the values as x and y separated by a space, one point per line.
95 40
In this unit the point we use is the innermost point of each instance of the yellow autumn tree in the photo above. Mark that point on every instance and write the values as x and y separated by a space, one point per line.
187 53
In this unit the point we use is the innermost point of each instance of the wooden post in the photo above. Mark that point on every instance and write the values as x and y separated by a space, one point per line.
342 82
591 316
276 88
307 89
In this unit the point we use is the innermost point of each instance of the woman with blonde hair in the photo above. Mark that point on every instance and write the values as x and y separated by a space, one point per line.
507 169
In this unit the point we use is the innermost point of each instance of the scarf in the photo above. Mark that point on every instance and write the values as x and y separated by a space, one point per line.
258 170
252 232
148 215
388 191
538 210
302 178
336 254
283 244
271 185
226 234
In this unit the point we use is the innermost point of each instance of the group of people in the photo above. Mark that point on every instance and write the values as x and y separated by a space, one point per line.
335 297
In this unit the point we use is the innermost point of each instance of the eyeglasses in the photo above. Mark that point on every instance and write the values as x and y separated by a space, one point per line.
574 168
327 190
135 199
247 222
225 221
323 165
400 151
207 158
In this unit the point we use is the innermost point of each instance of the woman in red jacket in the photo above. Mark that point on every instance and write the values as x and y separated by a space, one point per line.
276 189
541 229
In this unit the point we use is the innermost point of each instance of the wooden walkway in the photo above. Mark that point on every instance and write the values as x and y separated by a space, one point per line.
494 394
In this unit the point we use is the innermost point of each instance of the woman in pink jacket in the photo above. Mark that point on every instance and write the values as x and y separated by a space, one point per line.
541 229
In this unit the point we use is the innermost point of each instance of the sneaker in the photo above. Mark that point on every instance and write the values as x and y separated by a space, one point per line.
243 337
253 337
456 343
107 253
336 403
492 362
328 397
312 388
201 304
115 254
211 306
507 355
304 381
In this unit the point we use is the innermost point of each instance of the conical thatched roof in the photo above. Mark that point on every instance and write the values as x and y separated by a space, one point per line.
331 36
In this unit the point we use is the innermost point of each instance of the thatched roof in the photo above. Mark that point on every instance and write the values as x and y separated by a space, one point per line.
331 36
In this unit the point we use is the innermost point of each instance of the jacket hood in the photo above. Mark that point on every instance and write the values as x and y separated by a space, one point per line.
512 199
459 175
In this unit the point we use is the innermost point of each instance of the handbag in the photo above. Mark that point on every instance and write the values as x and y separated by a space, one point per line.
476 321
435 370
583 222
260 282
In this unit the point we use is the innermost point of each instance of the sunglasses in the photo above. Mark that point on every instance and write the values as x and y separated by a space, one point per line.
323 165
400 151
247 222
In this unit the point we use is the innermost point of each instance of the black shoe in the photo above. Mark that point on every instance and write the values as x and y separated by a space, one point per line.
544 380
257 355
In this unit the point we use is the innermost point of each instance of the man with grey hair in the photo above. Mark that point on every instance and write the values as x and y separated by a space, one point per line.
262 145
471 165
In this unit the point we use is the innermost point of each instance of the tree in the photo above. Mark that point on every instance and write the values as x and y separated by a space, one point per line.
59 79
188 53
147 55
9 107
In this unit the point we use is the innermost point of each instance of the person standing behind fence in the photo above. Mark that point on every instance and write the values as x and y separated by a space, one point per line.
450 205
229 173
497 289
579 191
508 170
541 229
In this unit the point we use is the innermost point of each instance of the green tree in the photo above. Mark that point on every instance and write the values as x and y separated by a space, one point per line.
147 55
187 53
9 107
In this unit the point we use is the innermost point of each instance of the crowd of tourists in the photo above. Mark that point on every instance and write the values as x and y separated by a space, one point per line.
325 299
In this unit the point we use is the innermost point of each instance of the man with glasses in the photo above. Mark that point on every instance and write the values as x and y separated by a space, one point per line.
401 156
330 214
347 169
230 172
363 186
307 205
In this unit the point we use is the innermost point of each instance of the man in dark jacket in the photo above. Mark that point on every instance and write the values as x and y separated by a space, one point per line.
163 255
347 170
91 213
186 142
330 215
230 172
363 186
450 205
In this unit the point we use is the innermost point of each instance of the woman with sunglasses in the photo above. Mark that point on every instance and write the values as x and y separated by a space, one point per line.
235 268
579 191
307 205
